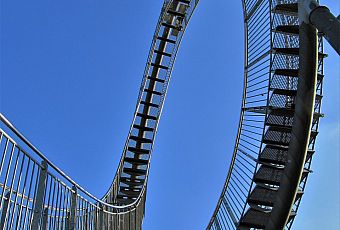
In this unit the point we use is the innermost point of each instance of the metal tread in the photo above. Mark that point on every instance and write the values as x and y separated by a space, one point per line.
266 197
294 52
131 181
146 116
143 128
136 161
166 40
135 172
287 8
292 73
153 92
149 104
287 29
176 13
271 175
141 139
257 219
134 192
138 150
275 154
156 79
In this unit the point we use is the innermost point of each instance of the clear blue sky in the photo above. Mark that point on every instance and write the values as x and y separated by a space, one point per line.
70 74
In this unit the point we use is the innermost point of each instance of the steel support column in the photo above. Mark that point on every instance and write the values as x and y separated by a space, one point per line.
320 16
328 25
301 130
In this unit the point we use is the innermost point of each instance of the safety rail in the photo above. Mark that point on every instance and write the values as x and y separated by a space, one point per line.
267 116
36 194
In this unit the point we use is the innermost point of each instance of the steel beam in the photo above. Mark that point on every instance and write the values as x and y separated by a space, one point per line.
320 16
301 130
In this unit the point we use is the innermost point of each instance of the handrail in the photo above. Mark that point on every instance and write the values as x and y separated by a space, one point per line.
58 170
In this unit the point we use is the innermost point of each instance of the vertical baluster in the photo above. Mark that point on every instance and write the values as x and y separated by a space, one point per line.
37 212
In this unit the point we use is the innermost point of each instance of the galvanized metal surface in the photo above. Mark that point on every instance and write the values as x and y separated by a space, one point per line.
41 196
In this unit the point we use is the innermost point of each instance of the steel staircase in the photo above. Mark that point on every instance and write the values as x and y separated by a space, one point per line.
279 120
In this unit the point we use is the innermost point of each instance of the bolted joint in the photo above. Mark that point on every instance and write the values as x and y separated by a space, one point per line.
305 9
310 12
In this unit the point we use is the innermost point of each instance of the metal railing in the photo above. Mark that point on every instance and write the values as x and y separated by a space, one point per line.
36 194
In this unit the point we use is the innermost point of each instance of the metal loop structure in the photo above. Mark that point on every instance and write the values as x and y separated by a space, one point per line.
36 194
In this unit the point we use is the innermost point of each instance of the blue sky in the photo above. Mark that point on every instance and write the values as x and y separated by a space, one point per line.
70 74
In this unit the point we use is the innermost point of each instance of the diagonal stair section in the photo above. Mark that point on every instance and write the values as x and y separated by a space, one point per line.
279 121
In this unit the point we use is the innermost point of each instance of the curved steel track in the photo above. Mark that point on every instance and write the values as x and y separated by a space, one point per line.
35 194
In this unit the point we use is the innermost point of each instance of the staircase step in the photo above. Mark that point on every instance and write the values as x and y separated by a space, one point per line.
131 181
290 8
284 118
278 111
138 151
143 128
176 13
288 112
287 51
268 175
294 51
287 72
275 154
159 66
292 73
279 120
125 199
149 104
166 40
132 192
141 139
254 219
262 196
153 92
278 135
136 161
266 197
146 116
257 219
162 53
170 26
184 1
286 92
288 29
134 172
156 79
271 175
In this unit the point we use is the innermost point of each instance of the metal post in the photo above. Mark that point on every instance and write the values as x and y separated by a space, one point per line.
101 217
301 130
86 218
45 219
4 209
73 209
40 196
